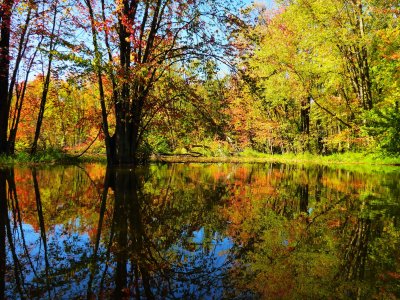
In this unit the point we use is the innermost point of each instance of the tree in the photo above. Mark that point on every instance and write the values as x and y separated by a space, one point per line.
23 34
22 37
53 40
289 69
151 37
5 31
319 70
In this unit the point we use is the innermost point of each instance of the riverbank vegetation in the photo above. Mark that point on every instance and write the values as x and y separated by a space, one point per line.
348 160
130 80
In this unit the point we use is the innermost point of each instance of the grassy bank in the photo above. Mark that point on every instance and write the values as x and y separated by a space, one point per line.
247 156
49 157
256 157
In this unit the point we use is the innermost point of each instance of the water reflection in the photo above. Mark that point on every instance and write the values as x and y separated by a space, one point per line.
153 254
199 232
3 222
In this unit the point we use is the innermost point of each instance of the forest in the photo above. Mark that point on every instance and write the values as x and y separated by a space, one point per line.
128 79
199 149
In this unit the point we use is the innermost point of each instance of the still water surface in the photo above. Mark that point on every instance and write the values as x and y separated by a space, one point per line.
198 231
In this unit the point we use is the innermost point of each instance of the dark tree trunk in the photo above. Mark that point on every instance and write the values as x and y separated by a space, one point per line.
356 58
358 68
305 116
46 85
132 93
320 136
5 18
20 91
124 152
16 118
130 86
41 112
109 141
20 97
305 121
363 65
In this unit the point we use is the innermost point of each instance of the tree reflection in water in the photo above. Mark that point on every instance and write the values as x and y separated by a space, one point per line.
153 254
342 242
3 221
145 242
198 231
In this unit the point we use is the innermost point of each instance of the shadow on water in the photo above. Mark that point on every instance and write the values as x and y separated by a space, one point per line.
198 232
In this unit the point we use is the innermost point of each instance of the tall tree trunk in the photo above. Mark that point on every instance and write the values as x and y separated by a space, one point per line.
98 67
20 97
356 59
305 121
5 18
320 136
130 88
133 92
363 61
123 141
46 85
305 116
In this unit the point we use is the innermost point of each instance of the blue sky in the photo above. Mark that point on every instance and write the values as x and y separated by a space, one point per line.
268 3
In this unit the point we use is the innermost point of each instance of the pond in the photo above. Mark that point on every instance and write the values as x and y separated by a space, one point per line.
199 231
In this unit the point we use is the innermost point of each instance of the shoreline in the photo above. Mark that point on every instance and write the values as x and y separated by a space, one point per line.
317 160
335 159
